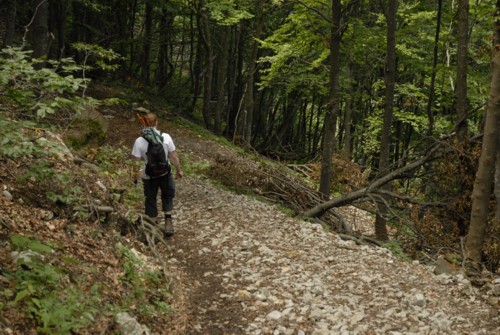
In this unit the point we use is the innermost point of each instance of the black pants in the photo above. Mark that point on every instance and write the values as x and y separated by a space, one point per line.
167 186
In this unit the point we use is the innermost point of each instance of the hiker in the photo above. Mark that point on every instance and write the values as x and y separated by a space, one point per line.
165 182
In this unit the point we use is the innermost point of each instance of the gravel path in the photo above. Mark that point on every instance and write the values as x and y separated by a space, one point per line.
250 269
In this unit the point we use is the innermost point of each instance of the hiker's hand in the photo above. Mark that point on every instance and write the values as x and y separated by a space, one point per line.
179 174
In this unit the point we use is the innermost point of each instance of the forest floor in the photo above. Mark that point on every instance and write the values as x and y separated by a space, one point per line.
239 265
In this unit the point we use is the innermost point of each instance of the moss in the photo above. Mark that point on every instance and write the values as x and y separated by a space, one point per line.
86 131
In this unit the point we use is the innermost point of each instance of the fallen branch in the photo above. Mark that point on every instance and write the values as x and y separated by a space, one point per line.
320 209
362 240
100 209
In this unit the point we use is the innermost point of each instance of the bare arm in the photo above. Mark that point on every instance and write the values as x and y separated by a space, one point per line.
175 160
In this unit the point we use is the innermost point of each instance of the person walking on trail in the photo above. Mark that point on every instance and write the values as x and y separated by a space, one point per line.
165 181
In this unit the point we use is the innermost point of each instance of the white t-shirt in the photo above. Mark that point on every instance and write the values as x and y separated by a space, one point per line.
141 147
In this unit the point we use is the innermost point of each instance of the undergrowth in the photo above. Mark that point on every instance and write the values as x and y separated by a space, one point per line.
43 292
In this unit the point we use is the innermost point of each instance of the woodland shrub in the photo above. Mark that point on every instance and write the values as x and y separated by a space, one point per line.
44 292
41 92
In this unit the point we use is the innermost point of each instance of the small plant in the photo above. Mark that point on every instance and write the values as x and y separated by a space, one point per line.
396 250
56 182
41 91
17 142
146 286
42 290
193 168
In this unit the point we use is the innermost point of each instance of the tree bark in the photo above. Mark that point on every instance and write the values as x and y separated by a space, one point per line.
461 85
329 127
163 72
222 60
148 37
11 24
496 43
385 139
484 177
430 102
40 30
209 64
347 145
249 96
497 181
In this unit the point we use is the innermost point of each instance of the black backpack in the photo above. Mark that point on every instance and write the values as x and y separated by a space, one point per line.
157 164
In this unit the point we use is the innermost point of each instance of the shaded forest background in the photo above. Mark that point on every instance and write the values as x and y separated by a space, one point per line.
390 94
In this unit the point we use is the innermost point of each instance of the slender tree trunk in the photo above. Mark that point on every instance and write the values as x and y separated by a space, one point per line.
346 152
40 30
385 139
10 30
329 127
196 71
206 39
164 71
496 44
249 97
222 60
430 102
497 181
133 15
238 84
161 70
485 174
461 85
148 38
57 28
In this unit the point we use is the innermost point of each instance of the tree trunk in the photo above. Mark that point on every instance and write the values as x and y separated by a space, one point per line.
132 18
329 126
249 96
430 102
346 151
497 181
385 139
10 30
148 37
40 30
164 69
484 177
204 30
222 60
233 123
496 43
461 85
196 60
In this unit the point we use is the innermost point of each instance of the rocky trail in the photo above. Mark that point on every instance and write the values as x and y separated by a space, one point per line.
253 270
241 266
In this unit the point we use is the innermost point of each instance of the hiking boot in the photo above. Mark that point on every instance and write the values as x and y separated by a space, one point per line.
169 227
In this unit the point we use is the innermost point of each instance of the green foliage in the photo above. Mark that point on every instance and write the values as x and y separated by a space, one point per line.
43 291
396 250
146 285
41 91
101 58
299 51
111 159
59 185
226 12
22 243
16 141
13 143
